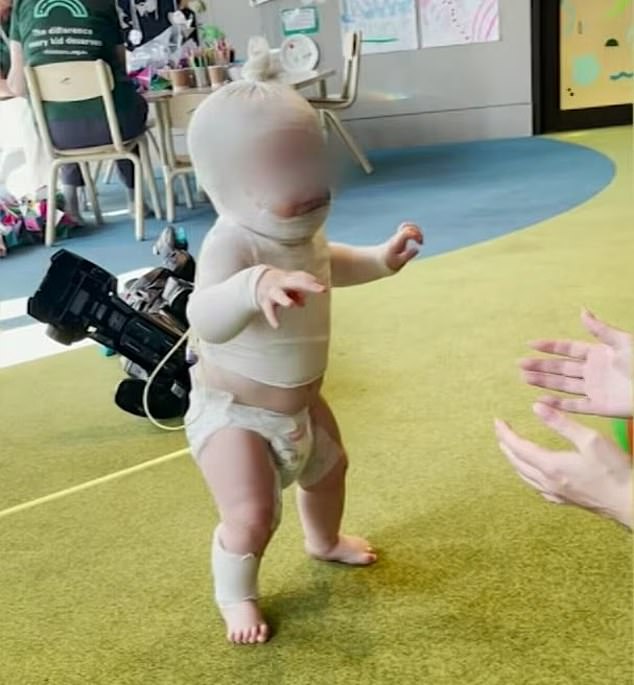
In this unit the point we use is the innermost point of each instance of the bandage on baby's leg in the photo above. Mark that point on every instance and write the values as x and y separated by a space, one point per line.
235 575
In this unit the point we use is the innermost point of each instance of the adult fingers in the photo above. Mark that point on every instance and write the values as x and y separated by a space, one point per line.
531 476
574 386
599 329
562 367
553 499
573 405
576 349
578 434
523 449
525 471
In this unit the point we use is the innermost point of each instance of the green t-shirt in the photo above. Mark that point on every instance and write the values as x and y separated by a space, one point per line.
73 30
5 56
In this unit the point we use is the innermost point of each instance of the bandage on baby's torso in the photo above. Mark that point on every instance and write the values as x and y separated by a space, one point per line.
231 331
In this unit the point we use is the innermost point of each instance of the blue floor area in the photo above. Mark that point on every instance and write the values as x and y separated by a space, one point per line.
460 194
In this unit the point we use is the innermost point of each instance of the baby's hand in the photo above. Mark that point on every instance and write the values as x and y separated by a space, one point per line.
398 252
285 289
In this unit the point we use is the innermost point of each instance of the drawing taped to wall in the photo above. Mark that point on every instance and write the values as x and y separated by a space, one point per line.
386 25
459 22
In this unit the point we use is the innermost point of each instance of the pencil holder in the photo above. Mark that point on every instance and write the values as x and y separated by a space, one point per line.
201 78
180 79
218 76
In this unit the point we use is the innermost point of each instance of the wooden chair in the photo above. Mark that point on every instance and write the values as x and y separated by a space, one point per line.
177 112
75 82
328 106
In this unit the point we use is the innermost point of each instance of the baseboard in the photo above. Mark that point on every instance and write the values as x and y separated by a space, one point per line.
511 121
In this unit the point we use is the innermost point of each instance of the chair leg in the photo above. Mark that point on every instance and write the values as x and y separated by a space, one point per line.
83 199
146 162
51 209
187 193
154 143
139 209
169 196
91 191
98 168
201 195
349 141
323 121
109 172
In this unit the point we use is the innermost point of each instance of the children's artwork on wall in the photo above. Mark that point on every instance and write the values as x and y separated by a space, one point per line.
300 20
597 39
458 22
386 25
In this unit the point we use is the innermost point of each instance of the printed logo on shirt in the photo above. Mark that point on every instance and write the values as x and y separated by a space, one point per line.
76 8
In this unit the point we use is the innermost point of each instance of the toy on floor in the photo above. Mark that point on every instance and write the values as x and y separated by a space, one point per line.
623 430
22 222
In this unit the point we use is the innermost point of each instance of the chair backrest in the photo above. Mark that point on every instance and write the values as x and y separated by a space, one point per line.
352 66
72 82
181 108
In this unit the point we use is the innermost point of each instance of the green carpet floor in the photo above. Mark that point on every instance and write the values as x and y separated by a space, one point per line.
480 582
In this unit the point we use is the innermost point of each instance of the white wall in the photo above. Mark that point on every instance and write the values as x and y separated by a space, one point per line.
433 95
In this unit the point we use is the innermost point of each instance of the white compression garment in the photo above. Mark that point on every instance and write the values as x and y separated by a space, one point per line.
248 238
225 316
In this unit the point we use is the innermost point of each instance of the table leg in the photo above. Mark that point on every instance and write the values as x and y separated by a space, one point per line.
163 132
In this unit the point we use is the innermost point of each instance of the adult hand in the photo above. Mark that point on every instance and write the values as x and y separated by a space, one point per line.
599 373
596 476
399 249
285 289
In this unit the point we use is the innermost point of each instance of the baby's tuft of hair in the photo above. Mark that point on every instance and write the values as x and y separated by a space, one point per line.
259 67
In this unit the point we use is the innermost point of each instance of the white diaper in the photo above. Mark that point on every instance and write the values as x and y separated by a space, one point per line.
300 452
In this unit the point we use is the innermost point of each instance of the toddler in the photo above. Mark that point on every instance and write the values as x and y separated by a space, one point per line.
260 318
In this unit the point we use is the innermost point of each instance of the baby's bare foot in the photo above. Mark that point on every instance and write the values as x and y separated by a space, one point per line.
347 550
245 623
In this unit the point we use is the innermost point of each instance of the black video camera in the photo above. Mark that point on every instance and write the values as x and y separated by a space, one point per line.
78 299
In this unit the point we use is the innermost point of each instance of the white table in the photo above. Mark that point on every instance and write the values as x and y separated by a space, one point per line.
296 80
311 78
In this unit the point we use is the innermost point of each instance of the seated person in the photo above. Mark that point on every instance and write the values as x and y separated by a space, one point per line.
44 33
5 57
25 174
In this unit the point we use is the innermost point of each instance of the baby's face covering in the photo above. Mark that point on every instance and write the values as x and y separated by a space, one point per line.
287 173
260 155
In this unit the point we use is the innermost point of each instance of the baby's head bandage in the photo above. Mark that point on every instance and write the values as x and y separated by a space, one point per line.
228 137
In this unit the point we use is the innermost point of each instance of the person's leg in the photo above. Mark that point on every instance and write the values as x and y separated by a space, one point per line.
132 123
90 132
72 180
239 472
321 504
68 135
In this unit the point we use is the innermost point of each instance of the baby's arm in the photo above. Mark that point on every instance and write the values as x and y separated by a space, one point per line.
357 265
224 299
